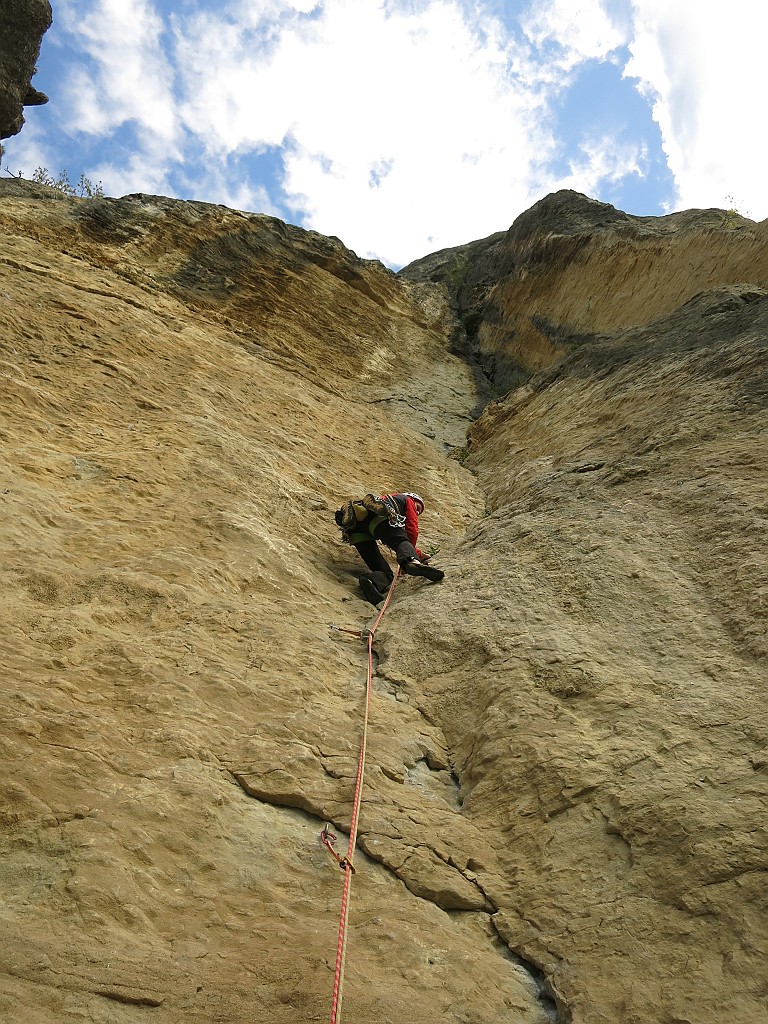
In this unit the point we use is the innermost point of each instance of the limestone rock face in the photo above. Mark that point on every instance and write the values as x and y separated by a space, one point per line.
571 268
566 785
603 690
23 23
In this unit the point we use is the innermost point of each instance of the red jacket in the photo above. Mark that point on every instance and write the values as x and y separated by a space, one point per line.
408 506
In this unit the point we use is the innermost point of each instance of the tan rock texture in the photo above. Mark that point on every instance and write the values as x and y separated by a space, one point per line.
23 23
571 268
564 807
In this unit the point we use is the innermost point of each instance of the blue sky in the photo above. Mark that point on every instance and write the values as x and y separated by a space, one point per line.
405 126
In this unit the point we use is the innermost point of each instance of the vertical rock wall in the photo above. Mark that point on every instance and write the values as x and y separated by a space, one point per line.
564 803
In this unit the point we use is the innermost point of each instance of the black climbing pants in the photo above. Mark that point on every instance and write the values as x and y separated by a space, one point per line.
395 538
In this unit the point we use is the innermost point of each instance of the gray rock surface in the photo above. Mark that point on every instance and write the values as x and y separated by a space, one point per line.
23 23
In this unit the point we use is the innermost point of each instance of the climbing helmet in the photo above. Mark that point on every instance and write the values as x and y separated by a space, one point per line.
417 500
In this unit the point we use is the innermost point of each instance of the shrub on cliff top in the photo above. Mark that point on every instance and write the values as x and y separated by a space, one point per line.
84 189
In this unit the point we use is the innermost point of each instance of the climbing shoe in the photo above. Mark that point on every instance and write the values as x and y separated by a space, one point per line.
380 580
417 568
370 593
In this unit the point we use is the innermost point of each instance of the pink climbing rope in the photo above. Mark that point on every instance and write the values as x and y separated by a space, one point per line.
327 837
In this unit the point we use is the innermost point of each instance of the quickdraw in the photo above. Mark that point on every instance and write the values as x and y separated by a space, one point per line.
328 838
396 518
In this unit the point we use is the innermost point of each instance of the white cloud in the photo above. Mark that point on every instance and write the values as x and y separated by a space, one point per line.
699 65
702 66
128 76
601 159
577 32
406 125
145 168
122 78
25 152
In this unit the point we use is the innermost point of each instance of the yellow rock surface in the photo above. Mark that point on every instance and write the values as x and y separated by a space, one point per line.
565 799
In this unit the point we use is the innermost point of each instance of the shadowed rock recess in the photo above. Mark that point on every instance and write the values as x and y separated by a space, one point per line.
565 803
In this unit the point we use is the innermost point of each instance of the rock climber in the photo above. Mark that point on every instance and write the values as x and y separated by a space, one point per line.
392 519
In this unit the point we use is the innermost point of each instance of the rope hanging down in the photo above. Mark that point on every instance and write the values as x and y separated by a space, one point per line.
328 838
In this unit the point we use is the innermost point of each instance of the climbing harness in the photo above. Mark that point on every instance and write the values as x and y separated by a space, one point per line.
328 838
359 519
396 518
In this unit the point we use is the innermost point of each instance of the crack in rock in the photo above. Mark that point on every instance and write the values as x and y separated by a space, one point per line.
445 899
129 998
552 1002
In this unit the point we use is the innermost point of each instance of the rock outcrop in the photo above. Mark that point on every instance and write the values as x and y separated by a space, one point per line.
564 807
571 268
23 23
